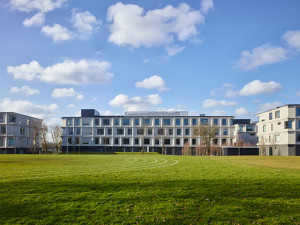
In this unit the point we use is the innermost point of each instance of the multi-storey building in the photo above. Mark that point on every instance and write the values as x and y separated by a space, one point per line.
245 132
17 133
279 131
134 131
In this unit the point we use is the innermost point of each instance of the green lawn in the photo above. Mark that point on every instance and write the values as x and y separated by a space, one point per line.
147 189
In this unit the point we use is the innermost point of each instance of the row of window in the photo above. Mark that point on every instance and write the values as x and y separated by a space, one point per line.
147 122
12 119
139 131
249 127
138 141
11 142
287 125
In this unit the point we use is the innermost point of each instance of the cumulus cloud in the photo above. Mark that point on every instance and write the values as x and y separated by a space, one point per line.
36 5
292 38
135 103
269 105
71 106
206 5
242 112
209 103
85 23
174 49
257 87
25 71
219 113
29 108
58 33
263 55
81 72
36 20
24 90
65 92
153 82
132 26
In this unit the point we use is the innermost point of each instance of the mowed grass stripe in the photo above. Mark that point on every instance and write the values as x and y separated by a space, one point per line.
148 189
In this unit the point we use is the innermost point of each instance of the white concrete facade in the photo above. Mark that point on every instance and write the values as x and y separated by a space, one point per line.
135 130
245 134
15 132
279 131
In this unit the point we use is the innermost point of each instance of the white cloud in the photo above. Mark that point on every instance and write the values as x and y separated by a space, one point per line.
257 87
265 54
135 103
65 92
219 113
269 105
206 5
174 49
231 94
131 25
36 5
242 112
25 71
36 20
29 108
209 103
94 99
106 112
58 33
24 90
146 61
292 38
81 72
71 106
153 82
85 23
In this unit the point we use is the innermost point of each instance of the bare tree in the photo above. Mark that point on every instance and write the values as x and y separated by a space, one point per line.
207 134
56 133
44 137
186 149
34 133
262 145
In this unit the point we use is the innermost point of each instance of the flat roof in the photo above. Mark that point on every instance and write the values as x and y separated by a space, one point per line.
278 108
23 115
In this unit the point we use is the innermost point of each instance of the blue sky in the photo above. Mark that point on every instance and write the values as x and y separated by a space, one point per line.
214 57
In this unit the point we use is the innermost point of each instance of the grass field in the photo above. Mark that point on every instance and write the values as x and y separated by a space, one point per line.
147 189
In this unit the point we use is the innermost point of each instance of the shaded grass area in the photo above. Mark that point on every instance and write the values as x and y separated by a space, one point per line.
127 188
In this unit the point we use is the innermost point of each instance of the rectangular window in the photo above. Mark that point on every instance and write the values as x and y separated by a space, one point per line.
156 141
70 141
177 122
105 122
186 122
116 141
167 141
250 127
277 114
177 141
69 122
136 122
224 141
120 131
297 111
136 141
78 131
129 131
194 122
125 122
100 131
77 122
156 122
96 122
178 131
216 122
2 130
70 131
298 126
217 132
186 131
1 141
117 122
288 125
298 137
1 118
225 131
22 130
204 122
12 118
146 141
149 131
160 131
264 128
170 131
224 122
167 122
105 141
241 128
11 141
96 141
109 131
271 127
277 138
270 116
125 141
140 131
186 141
231 122
194 141
146 122
215 141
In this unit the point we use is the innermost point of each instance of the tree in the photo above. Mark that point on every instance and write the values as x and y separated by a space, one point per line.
34 133
207 134
44 137
186 149
56 133
262 145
